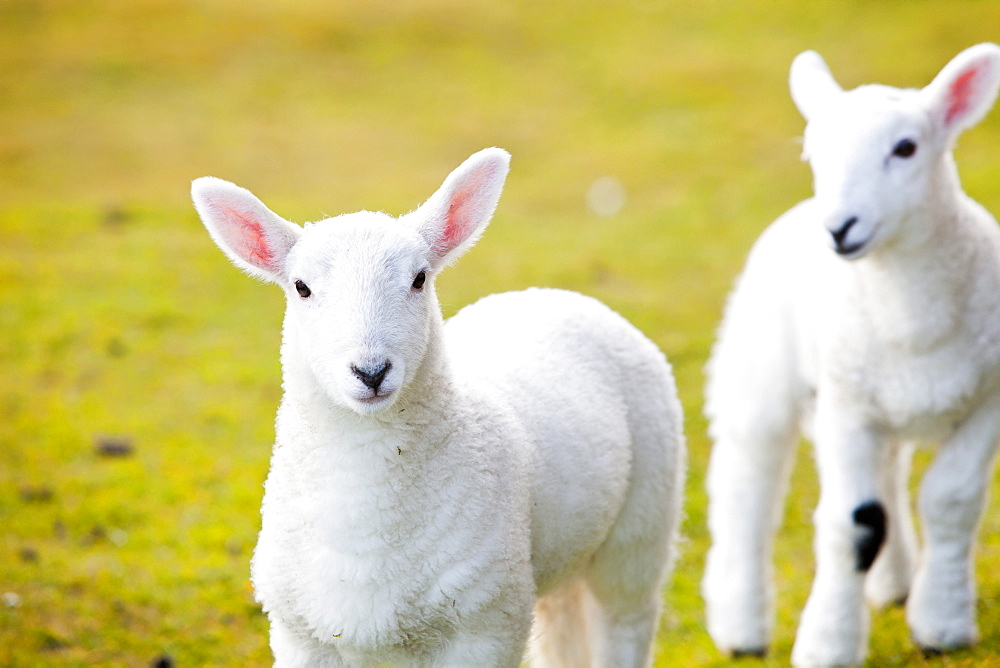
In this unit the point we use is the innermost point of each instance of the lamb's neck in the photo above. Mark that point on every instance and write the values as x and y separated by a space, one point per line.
914 290
379 472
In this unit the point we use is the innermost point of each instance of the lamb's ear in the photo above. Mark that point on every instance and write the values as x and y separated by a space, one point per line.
256 239
811 83
453 217
965 89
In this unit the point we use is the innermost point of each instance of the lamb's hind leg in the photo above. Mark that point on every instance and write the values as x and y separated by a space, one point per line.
607 618
623 631
755 398
559 636
747 481
941 607
623 607
625 577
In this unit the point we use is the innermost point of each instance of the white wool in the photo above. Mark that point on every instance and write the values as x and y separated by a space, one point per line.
867 318
530 447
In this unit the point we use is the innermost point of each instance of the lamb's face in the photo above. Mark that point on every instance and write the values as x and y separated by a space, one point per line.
872 152
360 304
877 152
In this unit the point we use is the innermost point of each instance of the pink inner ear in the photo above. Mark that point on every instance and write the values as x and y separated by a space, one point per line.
454 231
252 238
456 227
959 93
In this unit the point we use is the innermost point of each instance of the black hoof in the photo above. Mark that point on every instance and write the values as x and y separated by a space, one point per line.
931 652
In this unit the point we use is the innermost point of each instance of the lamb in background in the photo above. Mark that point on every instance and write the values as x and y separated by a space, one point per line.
431 484
891 339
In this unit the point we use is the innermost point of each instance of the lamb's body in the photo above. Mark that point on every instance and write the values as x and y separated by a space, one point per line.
931 333
590 393
531 446
517 467
897 344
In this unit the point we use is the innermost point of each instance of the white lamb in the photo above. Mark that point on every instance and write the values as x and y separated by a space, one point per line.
890 339
432 484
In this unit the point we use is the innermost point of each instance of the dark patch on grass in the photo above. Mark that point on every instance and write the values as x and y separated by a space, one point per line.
36 494
114 446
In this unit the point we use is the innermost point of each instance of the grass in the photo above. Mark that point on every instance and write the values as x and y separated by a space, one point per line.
120 319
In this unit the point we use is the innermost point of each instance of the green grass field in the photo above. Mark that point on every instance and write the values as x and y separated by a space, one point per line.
120 319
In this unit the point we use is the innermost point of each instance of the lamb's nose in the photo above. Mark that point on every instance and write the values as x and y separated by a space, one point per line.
839 235
372 377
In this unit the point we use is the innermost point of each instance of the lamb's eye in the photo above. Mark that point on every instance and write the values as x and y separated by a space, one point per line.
418 280
905 148
302 289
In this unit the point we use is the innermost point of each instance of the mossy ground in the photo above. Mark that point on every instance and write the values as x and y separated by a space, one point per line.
119 318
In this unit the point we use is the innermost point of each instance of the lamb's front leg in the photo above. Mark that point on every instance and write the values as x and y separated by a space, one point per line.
850 529
503 644
294 648
941 608
497 636
889 580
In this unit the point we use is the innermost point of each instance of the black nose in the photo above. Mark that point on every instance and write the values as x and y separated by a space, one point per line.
372 377
839 235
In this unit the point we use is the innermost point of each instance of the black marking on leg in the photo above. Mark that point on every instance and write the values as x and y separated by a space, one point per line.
871 517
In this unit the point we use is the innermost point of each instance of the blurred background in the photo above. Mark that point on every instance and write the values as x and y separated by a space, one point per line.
139 374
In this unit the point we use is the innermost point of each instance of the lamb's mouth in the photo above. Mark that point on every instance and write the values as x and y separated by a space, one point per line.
840 243
851 251
375 398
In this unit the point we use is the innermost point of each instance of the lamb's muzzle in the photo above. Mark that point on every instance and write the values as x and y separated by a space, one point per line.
372 377
840 244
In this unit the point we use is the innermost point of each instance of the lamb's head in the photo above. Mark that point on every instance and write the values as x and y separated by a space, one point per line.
360 287
880 155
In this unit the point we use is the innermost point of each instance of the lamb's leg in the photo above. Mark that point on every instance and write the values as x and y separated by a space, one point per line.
941 608
500 642
560 631
622 597
747 481
291 649
850 530
623 580
575 629
623 636
889 580
472 650
623 592
754 398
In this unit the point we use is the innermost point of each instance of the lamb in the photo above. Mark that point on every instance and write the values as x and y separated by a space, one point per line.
431 485
891 340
